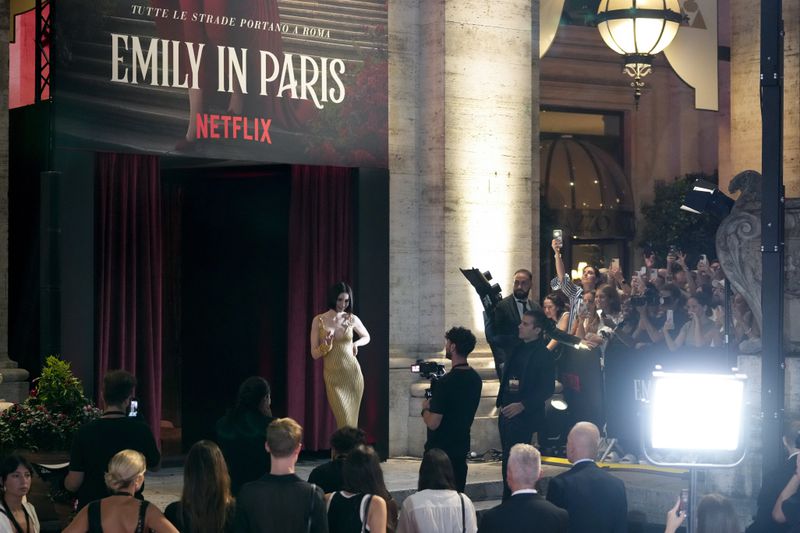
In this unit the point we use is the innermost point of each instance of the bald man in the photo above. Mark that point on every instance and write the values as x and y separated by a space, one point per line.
594 499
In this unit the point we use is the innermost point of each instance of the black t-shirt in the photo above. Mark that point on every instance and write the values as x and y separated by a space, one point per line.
280 503
328 476
98 441
241 436
455 397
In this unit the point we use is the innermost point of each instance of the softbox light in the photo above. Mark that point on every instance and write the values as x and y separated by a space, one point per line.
705 197
695 419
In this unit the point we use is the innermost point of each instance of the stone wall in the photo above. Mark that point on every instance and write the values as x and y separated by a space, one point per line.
745 144
463 169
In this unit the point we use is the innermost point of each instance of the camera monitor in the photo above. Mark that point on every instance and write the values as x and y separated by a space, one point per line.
695 419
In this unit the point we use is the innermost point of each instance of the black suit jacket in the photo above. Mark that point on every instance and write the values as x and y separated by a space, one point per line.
506 316
536 382
524 513
594 499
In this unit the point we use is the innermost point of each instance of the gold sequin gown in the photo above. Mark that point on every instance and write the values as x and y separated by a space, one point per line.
344 382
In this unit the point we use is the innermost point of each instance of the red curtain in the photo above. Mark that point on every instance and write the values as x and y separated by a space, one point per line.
320 254
130 271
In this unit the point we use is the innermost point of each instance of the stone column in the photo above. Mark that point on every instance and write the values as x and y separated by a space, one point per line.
14 386
745 149
463 169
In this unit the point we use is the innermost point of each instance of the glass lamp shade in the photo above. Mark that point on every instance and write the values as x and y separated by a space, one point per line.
638 27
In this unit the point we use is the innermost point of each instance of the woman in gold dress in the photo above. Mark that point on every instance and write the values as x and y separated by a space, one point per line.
332 340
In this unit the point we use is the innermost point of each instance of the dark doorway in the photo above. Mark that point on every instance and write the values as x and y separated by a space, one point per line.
231 272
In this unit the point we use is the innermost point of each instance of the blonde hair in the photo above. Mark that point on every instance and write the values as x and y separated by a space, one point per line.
283 437
124 468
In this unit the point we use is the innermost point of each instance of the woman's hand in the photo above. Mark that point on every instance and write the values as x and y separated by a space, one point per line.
327 343
556 246
682 260
674 518
593 340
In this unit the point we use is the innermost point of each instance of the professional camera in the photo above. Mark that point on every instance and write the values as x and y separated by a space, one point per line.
430 370
488 293
650 297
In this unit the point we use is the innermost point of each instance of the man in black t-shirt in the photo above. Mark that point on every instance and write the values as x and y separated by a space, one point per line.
451 410
99 440
280 500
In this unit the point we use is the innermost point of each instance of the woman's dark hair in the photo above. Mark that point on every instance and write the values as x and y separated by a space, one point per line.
612 297
557 297
362 474
334 292
715 514
206 498
346 438
252 392
599 278
11 462
436 472
703 299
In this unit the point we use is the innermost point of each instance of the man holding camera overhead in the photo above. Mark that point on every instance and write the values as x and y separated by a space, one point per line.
501 327
451 409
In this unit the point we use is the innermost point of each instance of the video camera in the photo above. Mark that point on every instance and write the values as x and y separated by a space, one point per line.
488 293
430 370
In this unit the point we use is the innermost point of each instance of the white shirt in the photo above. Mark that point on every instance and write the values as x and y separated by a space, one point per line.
520 304
436 511
7 527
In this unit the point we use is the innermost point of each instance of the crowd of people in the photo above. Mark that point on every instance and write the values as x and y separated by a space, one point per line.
662 306
348 493
663 313
246 480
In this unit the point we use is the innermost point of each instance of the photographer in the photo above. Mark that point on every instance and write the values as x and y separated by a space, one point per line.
450 411
501 322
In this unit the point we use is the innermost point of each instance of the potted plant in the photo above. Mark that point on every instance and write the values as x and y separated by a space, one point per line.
42 428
